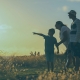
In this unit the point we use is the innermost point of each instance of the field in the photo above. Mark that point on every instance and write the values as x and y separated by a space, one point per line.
34 68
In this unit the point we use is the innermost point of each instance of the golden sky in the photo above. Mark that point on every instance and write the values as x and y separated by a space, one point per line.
19 18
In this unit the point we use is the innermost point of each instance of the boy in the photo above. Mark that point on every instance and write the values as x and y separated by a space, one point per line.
50 40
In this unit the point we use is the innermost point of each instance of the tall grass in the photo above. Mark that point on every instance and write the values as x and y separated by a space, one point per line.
18 68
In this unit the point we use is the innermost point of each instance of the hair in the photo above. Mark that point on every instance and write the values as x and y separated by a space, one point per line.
52 30
60 23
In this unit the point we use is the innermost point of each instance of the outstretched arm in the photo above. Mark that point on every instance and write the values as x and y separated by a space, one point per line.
40 34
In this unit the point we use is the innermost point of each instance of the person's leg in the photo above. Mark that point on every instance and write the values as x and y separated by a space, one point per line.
69 61
52 66
77 54
51 59
47 59
69 56
48 66
73 60
77 64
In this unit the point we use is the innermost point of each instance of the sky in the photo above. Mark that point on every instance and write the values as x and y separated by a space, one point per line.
19 18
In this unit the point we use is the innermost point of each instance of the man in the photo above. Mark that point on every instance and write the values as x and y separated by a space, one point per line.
74 44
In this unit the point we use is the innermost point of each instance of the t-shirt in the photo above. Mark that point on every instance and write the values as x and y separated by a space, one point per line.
63 29
49 43
75 31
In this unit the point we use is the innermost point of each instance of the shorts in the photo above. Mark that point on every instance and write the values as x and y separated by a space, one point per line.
74 49
49 56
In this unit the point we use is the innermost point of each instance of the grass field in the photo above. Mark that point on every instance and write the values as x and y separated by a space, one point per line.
34 68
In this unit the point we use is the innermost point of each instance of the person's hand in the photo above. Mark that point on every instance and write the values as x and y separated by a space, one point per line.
58 44
58 52
34 32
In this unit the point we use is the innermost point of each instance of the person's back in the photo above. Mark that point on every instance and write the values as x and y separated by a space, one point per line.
75 31
64 33
63 29
49 43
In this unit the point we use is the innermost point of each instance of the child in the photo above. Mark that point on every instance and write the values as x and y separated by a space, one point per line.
50 40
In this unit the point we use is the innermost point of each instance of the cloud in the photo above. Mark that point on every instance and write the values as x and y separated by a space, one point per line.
64 8
3 27
74 0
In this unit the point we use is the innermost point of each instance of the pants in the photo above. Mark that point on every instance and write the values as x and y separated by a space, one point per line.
73 53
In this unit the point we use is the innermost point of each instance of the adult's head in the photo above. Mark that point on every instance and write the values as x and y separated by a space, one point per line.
59 24
72 14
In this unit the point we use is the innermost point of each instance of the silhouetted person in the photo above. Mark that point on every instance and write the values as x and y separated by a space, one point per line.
64 35
74 44
50 40
38 53
35 53
64 32
31 53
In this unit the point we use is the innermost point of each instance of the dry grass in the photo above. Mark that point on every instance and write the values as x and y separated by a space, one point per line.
18 68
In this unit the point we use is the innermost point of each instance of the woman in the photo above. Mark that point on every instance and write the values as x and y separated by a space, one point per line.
63 34
65 39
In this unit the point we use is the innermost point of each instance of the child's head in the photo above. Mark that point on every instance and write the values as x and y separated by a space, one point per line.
51 32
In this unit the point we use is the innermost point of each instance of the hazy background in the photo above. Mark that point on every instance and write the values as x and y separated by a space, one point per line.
19 18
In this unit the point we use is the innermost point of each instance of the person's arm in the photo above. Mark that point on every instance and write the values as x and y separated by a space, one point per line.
40 34
65 37
56 46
